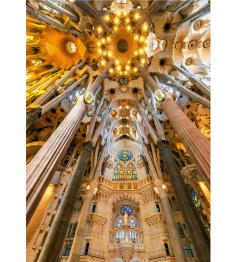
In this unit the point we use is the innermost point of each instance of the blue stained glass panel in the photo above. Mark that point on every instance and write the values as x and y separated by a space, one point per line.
124 155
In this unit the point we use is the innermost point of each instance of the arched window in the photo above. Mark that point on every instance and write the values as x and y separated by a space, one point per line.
94 208
167 251
132 235
132 223
87 248
131 171
119 171
180 230
120 222
157 208
120 235
187 250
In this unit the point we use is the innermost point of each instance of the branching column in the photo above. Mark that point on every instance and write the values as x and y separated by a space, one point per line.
80 232
42 167
53 243
198 146
171 225
189 212
195 142
57 232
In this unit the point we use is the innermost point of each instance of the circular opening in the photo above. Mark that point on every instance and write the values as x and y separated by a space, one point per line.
162 62
71 47
166 26
122 45
112 91
135 90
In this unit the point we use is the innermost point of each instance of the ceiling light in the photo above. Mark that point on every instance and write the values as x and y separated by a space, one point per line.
107 18
135 69
136 16
111 70
103 63
145 27
99 29
116 20
142 39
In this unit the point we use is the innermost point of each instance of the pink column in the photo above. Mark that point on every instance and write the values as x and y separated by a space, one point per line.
197 145
42 167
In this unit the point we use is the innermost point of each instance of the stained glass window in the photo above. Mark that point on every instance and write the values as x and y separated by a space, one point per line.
132 223
124 155
126 209
196 200
131 171
120 234
119 171
120 222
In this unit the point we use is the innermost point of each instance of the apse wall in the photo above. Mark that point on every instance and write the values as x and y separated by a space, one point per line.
125 144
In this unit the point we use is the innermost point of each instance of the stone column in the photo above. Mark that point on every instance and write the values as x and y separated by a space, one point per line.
197 145
198 83
171 225
42 167
199 237
195 97
80 232
198 14
189 212
54 240
58 99
57 232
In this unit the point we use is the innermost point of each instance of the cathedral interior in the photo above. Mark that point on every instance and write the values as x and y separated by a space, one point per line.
118 130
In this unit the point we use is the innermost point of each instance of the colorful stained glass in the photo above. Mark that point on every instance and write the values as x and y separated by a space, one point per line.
126 209
131 171
124 155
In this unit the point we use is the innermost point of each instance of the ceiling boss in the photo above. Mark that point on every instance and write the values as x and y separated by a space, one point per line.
124 43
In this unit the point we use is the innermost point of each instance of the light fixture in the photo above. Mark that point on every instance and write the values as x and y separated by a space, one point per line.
88 98
71 47
107 18
145 27
99 29
103 63
163 186
136 16
88 187
159 95
116 20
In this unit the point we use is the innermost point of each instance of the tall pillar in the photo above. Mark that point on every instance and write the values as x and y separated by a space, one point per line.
53 243
57 232
42 167
189 212
171 225
198 83
198 235
80 232
197 145
198 14
194 96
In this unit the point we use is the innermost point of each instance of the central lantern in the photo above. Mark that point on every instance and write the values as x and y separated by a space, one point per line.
122 44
